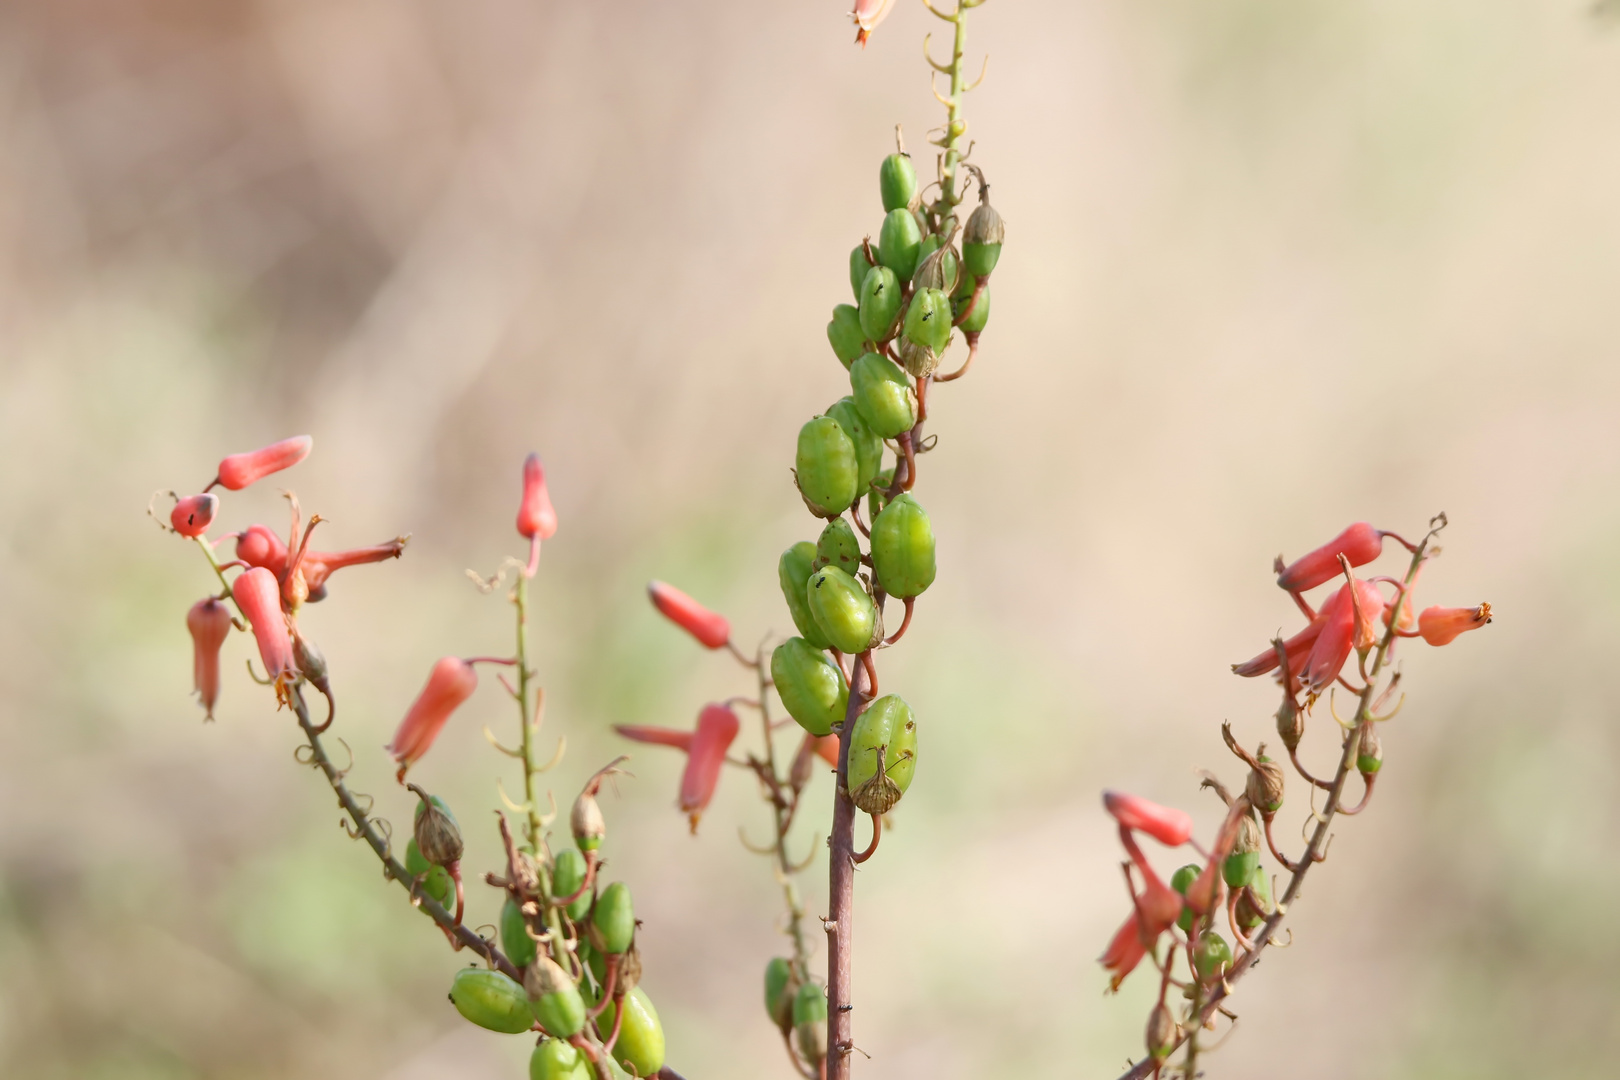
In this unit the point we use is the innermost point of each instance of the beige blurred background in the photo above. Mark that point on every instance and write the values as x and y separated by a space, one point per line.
1273 266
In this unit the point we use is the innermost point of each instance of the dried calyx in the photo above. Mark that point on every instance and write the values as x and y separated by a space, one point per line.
437 834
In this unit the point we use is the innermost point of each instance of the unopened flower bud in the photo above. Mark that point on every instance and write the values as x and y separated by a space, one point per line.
239 470
438 837
256 545
209 622
1265 785
193 514
1161 1031
258 595
312 662
587 822
451 683
1370 751
536 517
1360 544
710 628
1290 722
1441 625
1165 824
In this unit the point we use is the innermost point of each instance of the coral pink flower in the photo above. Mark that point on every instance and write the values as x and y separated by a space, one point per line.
1297 648
656 736
209 622
239 470
827 748
536 517
259 597
1441 625
320 565
1406 619
1360 543
705 753
257 545
866 16
1157 909
1346 625
1163 823
710 628
451 683
193 514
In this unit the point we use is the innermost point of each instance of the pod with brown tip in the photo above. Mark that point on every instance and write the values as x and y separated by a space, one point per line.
882 754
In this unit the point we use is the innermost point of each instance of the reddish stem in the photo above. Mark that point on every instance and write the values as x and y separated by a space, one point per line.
877 834
910 602
841 897
1369 779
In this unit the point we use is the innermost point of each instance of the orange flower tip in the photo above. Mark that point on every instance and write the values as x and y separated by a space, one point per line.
237 471
1165 824
1441 625
711 629
537 518
656 736
193 514
1360 543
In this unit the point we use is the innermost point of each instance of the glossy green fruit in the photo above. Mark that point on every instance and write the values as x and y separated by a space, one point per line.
903 547
845 333
780 988
882 754
554 998
567 875
1212 955
897 181
1239 868
555 1059
876 494
928 319
810 685
827 467
1180 881
898 242
868 447
843 610
838 547
859 264
981 239
641 1036
974 323
883 395
491 1000
881 297
437 884
810 1022
515 939
793 570
980 259
614 918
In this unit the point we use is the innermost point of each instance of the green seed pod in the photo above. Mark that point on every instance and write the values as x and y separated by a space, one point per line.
903 547
883 395
793 571
882 754
898 242
844 611
810 1023
876 495
827 467
436 880
845 333
567 875
1212 955
614 919
897 181
859 264
1180 881
1248 915
1369 752
928 319
880 300
586 821
515 939
555 1059
781 985
838 547
1240 865
980 314
981 240
491 1000
438 837
641 1036
937 266
868 447
554 998
810 685
1161 1032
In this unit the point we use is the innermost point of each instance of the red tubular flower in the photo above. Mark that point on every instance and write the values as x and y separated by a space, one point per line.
259 597
657 736
536 518
209 622
1406 620
239 470
1157 909
193 514
1441 625
716 727
320 565
1297 648
1164 824
866 15
451 682
707 626
1346 625
257 545
1360 543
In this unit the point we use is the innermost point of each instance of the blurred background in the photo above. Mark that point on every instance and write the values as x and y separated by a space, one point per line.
1272 266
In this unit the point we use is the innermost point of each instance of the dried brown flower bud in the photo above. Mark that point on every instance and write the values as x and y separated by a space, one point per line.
1161 1031
1370 752
437 834
1265 784
630 967
918 359
1290 723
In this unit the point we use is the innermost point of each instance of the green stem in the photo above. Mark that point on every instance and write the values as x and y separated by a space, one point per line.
520 600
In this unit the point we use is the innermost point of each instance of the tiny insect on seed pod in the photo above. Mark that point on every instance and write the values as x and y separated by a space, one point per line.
882 754
1161 1032
450 683
845 335
880 300
897 179
613 920
491 1000
810 1023
437 835
844 610
558 1059
838 547
811 686
868 447
641 1035
259 597
903 548
1360 543
209 622
1240 865
587 823
826 467
193 514
928 320
793 570
554 998
1369 751
898 243
883 395
1165 824
1441 625
237 471
781 986
536 517
711 629
717 726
